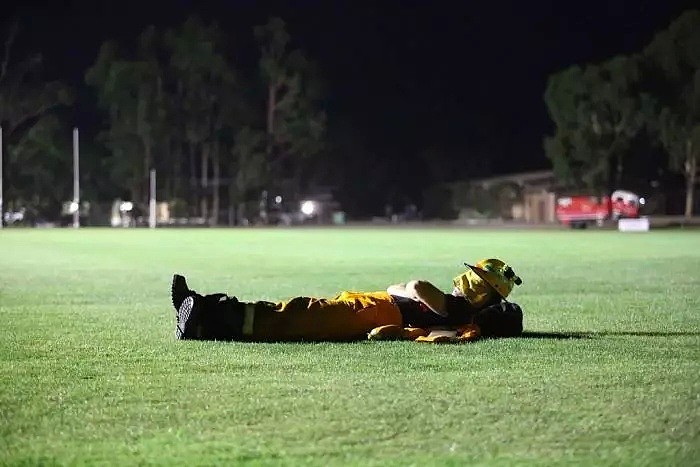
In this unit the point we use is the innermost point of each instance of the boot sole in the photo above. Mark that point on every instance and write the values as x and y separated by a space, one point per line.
183 315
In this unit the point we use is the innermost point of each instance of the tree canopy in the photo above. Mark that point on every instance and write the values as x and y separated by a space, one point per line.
599 109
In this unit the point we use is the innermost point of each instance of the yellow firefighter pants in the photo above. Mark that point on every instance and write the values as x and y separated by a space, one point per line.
349 316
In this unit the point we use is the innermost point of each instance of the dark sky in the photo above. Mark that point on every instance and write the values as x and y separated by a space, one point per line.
468 77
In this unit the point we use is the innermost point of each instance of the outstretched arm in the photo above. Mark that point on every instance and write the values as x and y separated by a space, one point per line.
398 289
422 291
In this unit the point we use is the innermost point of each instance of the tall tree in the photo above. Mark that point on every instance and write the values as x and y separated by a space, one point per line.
30 132
597 111
574 161
207 96
295 124
131 92
153 103
674 59
615 107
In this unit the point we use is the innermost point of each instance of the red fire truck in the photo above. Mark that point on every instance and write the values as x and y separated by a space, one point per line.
580 211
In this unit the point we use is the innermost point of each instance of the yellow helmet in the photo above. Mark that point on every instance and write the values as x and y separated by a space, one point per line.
494 272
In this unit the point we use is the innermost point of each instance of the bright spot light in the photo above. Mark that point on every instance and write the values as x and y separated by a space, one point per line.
278 199
73 207
308 207
126 206
642 201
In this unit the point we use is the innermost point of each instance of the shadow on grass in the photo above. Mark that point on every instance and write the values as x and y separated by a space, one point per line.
524 335
648 333
556 335
590 335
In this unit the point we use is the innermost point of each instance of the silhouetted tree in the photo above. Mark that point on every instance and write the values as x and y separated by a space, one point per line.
294 125
207 94
38 163
597 110
130 91
674 60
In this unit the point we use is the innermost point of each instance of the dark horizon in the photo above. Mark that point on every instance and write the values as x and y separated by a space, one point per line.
467 80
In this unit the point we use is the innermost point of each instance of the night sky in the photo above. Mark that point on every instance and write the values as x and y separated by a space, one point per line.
467 77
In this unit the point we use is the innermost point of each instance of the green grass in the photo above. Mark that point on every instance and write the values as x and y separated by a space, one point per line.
91 374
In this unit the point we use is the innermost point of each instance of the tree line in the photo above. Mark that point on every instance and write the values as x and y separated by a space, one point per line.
604 112
175 103
220 136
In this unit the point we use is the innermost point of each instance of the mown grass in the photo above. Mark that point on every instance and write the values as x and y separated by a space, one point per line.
91 374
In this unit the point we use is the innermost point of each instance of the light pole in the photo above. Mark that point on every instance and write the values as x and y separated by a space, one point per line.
76 179
152 201
1 211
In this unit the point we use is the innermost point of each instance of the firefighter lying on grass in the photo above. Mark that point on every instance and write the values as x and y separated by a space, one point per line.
417 310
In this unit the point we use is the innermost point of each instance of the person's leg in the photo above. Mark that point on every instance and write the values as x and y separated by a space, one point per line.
205 317
348 317
210 317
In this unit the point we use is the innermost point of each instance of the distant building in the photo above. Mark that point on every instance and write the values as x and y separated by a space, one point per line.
536 202
523 197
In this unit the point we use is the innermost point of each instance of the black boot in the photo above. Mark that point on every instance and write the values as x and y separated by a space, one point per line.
213 317
179 291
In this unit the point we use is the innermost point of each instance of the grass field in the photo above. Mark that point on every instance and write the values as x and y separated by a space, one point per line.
91 373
